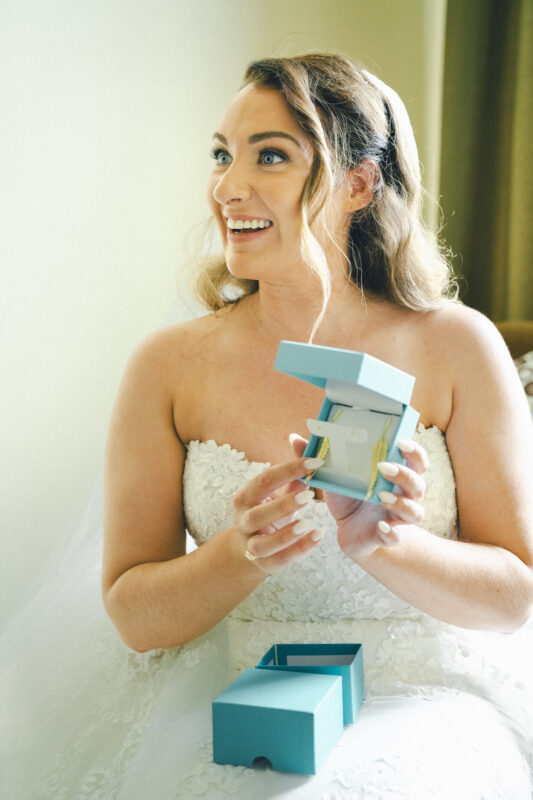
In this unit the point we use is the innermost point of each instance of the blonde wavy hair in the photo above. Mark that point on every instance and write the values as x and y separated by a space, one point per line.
351 117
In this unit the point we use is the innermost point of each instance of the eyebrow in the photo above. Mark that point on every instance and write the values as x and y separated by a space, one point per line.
258 137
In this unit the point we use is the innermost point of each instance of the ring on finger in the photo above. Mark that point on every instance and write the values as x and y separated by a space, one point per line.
249 556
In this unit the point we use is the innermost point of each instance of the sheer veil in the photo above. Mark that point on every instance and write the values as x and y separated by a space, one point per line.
75 699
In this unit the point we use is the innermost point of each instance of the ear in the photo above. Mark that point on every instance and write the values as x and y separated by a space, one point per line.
362 182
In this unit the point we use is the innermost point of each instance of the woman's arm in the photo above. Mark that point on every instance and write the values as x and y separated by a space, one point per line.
484 580
157 596
471 585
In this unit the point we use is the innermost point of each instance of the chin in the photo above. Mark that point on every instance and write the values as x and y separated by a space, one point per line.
242 266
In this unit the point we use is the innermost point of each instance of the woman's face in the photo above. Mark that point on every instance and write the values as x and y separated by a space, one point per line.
262 160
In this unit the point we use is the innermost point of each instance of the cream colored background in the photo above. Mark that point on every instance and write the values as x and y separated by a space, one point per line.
107 111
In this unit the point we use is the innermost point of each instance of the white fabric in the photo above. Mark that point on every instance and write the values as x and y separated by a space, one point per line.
524 365
448 712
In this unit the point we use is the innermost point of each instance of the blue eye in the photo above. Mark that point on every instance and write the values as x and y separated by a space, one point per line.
270 157
267 158
222 157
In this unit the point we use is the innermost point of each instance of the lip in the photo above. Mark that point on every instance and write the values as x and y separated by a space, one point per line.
247 237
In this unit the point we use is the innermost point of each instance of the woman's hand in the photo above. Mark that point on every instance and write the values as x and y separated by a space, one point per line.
264 516
363 527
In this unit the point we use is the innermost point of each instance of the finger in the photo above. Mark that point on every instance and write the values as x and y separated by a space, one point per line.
265 546
264 484
298 444
274 511
296 488
298 547
414 455
387 534
406 479
403 508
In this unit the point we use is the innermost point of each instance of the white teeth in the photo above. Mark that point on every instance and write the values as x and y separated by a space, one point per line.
238 224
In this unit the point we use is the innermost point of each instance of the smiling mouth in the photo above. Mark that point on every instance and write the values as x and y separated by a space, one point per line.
239 227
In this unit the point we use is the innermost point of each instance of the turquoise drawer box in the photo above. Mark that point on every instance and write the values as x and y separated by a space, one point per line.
291 708
365 413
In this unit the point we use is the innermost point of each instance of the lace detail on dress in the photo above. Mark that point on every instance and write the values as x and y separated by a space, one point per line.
302 591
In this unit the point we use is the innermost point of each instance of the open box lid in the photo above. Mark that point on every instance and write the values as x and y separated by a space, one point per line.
328 365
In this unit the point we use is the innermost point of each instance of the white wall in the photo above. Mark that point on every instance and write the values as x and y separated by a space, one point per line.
107 110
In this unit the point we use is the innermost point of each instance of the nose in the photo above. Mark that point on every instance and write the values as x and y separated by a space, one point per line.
232 186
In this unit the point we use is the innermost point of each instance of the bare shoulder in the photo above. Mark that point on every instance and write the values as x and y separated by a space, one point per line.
169 356
468 344
477 360
164 345
454 323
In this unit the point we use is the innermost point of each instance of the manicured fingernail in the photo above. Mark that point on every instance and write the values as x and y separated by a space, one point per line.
304 497
390 470
406 446
302 526
313 463
317 535
384 526
387 497
293 437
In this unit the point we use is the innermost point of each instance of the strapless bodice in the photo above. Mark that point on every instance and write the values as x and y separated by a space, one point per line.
325 584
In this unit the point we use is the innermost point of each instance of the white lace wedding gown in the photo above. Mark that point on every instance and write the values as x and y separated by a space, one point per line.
447 713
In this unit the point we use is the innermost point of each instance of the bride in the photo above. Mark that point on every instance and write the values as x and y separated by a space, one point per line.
316 192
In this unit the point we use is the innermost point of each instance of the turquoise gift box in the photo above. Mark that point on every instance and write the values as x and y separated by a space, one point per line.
290 709
365 413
